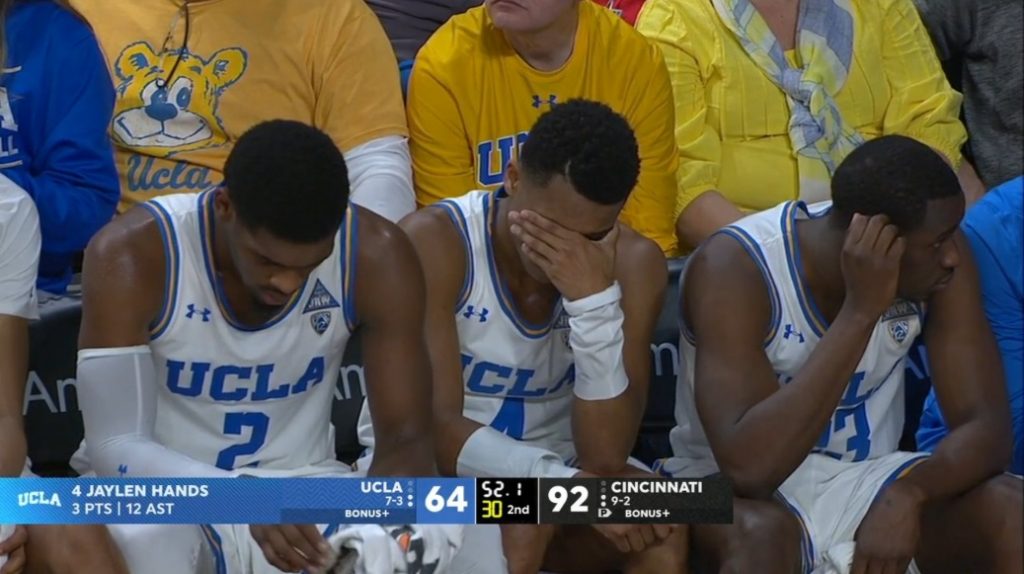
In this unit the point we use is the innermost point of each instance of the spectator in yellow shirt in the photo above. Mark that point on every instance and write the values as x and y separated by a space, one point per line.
485 77
753 79
193 75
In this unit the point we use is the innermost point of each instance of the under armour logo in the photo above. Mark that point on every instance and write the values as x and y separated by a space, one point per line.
122 470
538 101
192 312
792 332
471 312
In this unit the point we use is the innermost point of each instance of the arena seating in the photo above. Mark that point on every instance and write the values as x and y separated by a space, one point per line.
54 423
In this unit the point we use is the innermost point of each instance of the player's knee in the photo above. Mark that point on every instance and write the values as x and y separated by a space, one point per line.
1002 497
525 546
765 538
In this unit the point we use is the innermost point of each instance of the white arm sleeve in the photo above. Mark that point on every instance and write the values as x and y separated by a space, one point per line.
491 454
117 394
595 335
20 241
380 172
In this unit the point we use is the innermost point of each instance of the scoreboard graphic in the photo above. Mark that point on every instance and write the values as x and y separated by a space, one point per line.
364 500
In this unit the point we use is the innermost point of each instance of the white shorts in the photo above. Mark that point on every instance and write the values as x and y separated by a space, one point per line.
831 498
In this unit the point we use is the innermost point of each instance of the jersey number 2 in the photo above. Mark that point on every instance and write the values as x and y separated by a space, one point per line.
235 424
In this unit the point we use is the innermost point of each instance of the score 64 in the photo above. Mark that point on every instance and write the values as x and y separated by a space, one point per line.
445 501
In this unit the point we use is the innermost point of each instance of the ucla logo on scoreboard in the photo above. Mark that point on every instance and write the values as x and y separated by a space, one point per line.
39 498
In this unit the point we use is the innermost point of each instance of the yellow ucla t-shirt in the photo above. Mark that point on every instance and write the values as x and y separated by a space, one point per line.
472 101
323 62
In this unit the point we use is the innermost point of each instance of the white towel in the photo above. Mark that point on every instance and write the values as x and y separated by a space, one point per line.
839 560
405 549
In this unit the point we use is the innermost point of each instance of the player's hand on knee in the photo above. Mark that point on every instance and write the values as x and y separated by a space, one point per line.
888 537
576 265
291 547
870 263
13 547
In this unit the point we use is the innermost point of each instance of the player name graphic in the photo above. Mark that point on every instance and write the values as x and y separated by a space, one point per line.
657 487
144 491
407 500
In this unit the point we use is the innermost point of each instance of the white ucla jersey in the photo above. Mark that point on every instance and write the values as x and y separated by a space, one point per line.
233 395
518 376
868 420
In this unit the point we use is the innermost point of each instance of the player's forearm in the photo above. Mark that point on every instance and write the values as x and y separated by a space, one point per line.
487 453
969 454
451 434
409 452
772 438
13 450
604 432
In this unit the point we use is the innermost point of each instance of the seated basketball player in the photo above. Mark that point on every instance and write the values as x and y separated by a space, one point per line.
796 325
213 330
35 549
540 312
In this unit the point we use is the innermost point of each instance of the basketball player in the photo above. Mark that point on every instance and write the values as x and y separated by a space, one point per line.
38 548
213 329
796 325
539 318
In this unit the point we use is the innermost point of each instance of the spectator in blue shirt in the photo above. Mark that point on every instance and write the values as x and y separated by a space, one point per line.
995 229
56 101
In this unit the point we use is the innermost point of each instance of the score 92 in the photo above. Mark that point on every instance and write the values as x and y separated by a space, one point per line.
576 496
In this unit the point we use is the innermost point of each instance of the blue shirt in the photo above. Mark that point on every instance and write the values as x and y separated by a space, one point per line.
56 101
995 229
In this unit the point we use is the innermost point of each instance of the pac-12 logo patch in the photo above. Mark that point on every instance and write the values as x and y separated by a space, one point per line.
899 330
320 321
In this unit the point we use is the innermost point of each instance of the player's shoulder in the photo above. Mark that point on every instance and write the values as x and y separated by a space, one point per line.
15 202
437 239
639 260
19 219
128 248
722 262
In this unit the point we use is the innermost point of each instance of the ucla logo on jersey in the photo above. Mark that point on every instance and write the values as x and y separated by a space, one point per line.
320 299
899 330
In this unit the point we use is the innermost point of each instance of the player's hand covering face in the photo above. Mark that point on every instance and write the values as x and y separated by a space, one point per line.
578 266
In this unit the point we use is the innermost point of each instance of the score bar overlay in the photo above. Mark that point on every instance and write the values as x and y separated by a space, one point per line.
364 501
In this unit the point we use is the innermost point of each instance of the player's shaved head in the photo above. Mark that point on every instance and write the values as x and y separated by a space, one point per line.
893 175
288 179
587 143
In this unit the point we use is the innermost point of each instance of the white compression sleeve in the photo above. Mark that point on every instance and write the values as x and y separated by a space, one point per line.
488 453
117 394
381 174
595 334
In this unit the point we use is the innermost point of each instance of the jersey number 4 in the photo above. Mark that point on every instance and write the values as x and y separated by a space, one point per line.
235 424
